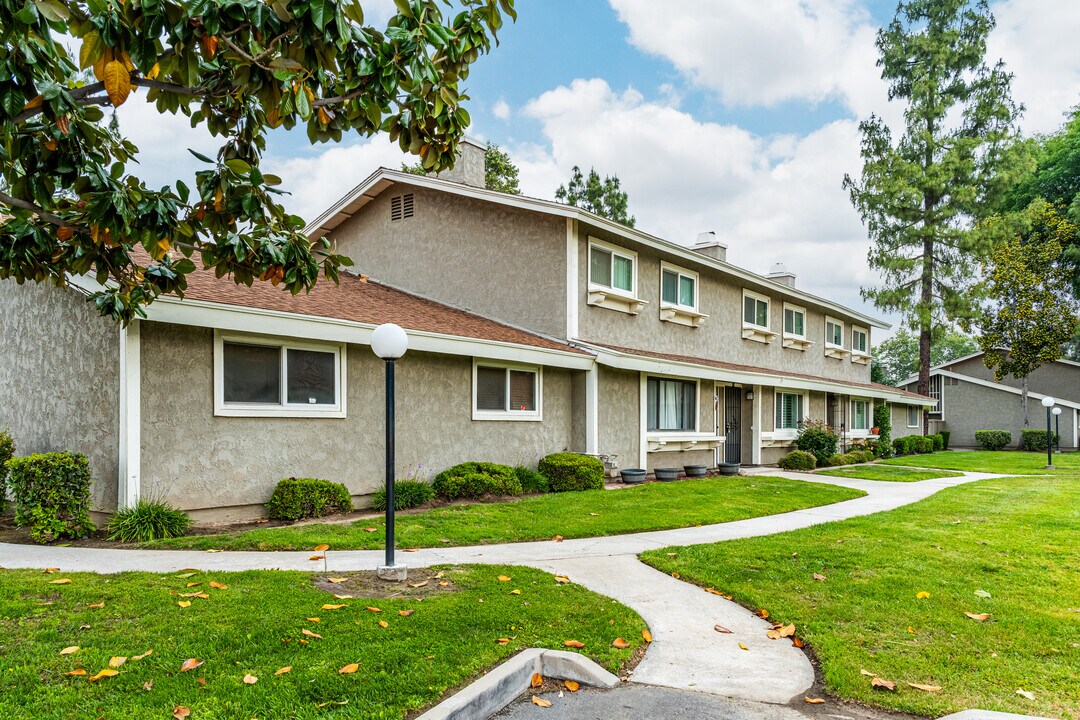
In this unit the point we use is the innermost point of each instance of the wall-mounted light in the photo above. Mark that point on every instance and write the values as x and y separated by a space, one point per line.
749 394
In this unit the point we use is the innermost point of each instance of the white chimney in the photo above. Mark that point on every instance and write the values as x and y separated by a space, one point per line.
708 245
779 273
469 166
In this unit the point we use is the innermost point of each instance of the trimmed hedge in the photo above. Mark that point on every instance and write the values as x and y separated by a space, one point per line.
148 520
1035 440
476 479
993 439
7 451
407 494
944 439
839 459
912 444
798 460
298 498
818 439
567 472
532 481
52 495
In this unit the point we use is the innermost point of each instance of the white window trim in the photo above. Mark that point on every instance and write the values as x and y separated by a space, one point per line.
697 406
789 306
614 250
680 273
768 309
294 410
794 340
908 418
864 331
536 415
860 432
787 433
832 349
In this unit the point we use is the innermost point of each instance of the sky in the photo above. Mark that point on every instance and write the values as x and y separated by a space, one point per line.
735 116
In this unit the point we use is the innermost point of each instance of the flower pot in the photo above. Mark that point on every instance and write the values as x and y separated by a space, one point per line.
666 474
633 476
728 468
875 431
694 471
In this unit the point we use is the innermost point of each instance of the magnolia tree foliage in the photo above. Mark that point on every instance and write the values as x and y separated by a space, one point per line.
603 197
71 202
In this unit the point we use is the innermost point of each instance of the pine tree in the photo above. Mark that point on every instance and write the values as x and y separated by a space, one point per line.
920 194
603 197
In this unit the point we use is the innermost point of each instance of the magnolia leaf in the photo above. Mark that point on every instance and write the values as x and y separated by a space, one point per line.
537 680
813 701
383 623
979 617
714 591
503 641
323 547
190 664
982 594
572 685
925 688
333 607
515 592
317 557
505 578
61 581
721 629
69 650
787 630
867 673
1024 693
349 669
405 613
342 597
218 586
367 529
145 654
107 672
180 712
96 606
922 595
314 619
540 701
620 643
282 671
148 685
647 635
558 538
310 634
184 603
773 634
369 608
117 79
76 673
884 684
337 580
573 643
193 584
562 579
250 679
820 578
117 661
743 647
417 585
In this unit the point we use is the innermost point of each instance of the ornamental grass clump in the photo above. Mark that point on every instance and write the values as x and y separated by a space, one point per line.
148 520
407 494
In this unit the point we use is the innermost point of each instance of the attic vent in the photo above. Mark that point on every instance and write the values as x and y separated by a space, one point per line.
401 206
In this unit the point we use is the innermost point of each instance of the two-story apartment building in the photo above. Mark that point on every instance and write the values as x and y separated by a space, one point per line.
534 327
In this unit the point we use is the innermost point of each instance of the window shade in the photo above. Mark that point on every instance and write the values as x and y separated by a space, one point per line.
669 287
600 266
622 273
686 291
251 374
789 411
522 391
672 404
490 388
311 378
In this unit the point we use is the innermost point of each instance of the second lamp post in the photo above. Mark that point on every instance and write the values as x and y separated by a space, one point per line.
390 342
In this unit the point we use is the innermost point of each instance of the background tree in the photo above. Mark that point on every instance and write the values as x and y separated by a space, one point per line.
1032 311
603 197
70 204
897 358
500 172
920 193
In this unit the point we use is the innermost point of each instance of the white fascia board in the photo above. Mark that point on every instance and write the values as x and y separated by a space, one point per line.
1004 388
316 230
200 313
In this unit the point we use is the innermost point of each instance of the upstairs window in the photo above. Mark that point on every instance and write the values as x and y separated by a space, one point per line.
794 321
789 411
671 405
678 287
506 392
755 309
860 415
859 341
612 269
834 333
913 416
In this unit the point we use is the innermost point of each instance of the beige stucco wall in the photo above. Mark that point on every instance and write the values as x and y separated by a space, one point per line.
59 379
618 411
1055 379
199 461
497 261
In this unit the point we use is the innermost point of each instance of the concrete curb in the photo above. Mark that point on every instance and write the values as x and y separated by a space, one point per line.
990 715
504 684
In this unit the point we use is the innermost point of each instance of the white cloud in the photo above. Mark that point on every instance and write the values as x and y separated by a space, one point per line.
501 110
163 140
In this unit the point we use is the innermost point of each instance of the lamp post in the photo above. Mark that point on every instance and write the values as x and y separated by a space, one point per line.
1057 429
1048 403
390 342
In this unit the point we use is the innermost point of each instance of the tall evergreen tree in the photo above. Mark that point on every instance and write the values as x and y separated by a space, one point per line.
920 194
603 197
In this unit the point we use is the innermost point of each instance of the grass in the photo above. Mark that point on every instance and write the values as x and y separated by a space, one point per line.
887 473
254 627
1013 538
653 506
1012 462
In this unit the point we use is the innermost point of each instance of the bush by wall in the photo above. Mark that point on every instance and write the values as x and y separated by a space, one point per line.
798 460
1035 440
883 422
52 495
860 456
7 451
407 494
993 439
937 442
297 498
567 471
532 481
148 520
838 459
476 479
924 444
944 439
818 439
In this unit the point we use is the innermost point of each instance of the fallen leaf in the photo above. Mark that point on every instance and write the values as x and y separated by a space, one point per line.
370 529
50 571
925 688
620 643
595 514
867 673
440 574
140 657
201 681
342 597
314 619
372 609
193 584
922 595
562 579
321 548
96 606
503 641
647 635
213 550
820 578
282 671
558 538
881 683
180 712
184 575
537 680
333 607
384 624
541 701
115 662
349 669
250 679
762 613
148 685
405 613
571 685
61 581
218 586
184 603
104 674
743 647
190 664
796 642
982 594
505 578
332 702
417 585
773 634
1024 693
721 629
515 592
911 630
69 650
310 634
573 643
317 557
787 630
411 550
980 617
336 580
676 575
813 701
77 673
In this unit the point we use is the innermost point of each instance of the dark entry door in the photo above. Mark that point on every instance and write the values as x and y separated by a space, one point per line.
733 424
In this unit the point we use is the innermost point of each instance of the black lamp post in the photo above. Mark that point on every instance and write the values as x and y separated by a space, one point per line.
1057 429
1048 403
390 342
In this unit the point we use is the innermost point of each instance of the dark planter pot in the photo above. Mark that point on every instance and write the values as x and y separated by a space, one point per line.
728 468
694 471
666 474
633 476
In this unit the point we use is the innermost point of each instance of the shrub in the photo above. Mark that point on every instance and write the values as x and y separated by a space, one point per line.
148 520
476 479
7 451
923 444
407 494
883 422
567 471
901 446
798 460
297 498
860 456
944 439
532 481
937 442
838 459
1035 440
52 495
993 439
818 439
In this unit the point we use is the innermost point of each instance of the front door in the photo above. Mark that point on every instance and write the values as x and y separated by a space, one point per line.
733 424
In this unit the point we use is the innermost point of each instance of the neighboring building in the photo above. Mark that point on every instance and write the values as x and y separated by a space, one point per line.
535 327
968 398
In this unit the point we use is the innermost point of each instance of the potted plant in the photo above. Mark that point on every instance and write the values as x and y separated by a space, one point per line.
875 431
726 468
666 474
633 476
695 471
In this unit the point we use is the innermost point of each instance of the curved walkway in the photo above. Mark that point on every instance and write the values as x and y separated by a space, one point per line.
686 651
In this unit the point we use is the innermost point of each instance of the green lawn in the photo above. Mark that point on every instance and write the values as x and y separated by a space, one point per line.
254 627
997 461
1007 547
888 473
653 506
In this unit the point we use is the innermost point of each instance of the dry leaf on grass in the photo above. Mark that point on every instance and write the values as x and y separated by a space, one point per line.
250 679
336 580
882 683
193 584
96 606
573 643
190 664
314 619
796 642
104 674
721 629
323 547
333 607
820 578
115 662
61 581
979 617
180 712
813 701
515 592
145 654
503 641
342 597
867 673
620 643
184 603
50 571
922 595
647 635
762 613
540 701
558 538
537 680
505 578
218 586
925 688
69 649
384 624
349 669
369 608
148 685
77 673
571 685
417 585
282 671
562 579
1024 693
370 529
405 613
310 634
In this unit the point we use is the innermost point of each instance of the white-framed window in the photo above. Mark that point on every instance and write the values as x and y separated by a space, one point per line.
755 310
834 333
790 410
860 341
914 415
612 269
860 415
507 391
678 287
794 321
671 404
258 376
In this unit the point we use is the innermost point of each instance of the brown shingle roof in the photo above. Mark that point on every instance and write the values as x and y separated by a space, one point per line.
757 370
362 301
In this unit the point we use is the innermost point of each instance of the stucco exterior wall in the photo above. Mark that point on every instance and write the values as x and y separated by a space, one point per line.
720 337
199 461
1056 379
59 379
899 422
618 410
501 262
970 407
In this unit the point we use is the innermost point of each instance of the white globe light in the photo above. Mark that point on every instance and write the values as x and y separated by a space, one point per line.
389 341
1048 401
1056 411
